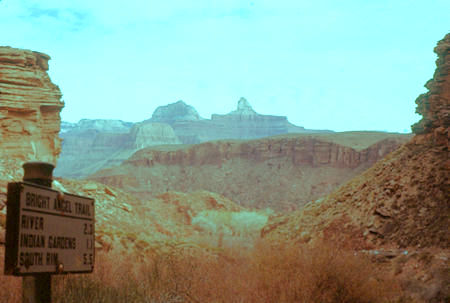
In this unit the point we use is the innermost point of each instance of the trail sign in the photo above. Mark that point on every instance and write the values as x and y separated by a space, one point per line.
47 231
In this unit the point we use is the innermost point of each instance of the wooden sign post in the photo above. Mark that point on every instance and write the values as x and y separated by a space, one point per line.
47 232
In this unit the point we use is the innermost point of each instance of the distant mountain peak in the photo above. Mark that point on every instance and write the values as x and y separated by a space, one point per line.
243 108
179 103
178 111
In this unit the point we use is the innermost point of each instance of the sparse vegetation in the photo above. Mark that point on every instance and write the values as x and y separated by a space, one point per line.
264 274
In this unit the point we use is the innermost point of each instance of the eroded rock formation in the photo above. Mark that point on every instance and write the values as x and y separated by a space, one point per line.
29 107
434 105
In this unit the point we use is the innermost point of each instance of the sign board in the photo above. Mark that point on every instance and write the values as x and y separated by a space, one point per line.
48 231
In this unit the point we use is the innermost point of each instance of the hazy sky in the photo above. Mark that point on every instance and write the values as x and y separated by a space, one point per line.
340 65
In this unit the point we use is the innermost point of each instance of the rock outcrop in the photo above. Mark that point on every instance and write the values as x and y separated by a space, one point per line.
243 109
29 107
434 105
29 116
278 172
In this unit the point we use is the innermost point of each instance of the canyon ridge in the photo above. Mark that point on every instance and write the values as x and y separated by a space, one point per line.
90 145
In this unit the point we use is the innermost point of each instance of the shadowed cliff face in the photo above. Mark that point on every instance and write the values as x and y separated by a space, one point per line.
29 107
282 173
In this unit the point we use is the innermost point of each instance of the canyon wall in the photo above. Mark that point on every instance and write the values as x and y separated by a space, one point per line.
282 172
91 145
29 107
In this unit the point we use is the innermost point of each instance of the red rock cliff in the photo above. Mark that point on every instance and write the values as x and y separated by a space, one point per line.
29 107
308 150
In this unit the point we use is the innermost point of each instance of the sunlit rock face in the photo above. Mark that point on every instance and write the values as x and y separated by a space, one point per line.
29 107
434 105
29 116
148 134
90 145
282 173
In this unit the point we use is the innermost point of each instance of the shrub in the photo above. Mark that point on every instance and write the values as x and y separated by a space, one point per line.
284 273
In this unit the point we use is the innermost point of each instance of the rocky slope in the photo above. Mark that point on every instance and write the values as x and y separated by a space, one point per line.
403 199
200 219
401 202
29 107
279 172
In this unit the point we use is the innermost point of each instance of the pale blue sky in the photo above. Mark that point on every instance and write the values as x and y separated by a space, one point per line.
340 65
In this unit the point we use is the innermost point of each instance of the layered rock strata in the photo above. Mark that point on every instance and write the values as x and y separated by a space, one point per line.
90 145
29 107
29 116
280 172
